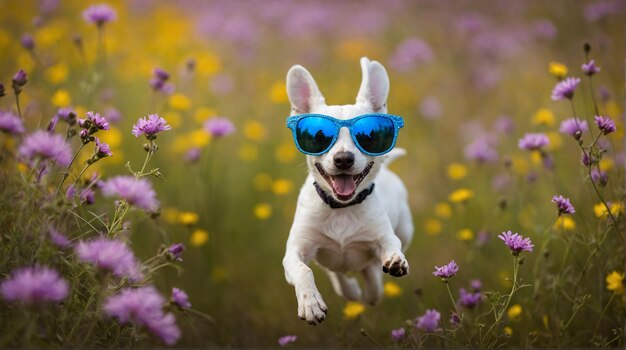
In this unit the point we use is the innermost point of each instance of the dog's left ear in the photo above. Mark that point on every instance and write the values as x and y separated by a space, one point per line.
374 86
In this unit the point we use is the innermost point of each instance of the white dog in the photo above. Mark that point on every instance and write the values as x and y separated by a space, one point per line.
342 221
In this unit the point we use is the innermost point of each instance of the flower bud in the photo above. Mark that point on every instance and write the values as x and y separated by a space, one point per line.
19 79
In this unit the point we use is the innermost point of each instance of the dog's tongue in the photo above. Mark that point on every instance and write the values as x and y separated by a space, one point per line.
344 185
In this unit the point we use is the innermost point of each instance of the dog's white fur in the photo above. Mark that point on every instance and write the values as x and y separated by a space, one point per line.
367 237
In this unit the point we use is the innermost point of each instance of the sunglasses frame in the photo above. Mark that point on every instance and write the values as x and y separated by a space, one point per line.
292 123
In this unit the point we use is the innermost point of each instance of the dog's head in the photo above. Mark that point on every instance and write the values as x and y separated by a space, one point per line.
344 170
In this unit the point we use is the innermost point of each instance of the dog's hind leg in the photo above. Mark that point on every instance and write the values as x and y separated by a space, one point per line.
373 287
347 287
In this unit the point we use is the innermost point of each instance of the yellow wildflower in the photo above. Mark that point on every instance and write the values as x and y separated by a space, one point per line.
187 218
465 234
281 186
199 237
606 164
248 152
514 312
262 211
557 69
200 138
180 102
536 158
456 171
286 152
61 98
262 182
508 331
173 118
556 141
392 289
255 131
519 165
544 116
278 92
565 222
112 137
601 212
443 210
22 167
170 215
615 282
57 73
432 227
207 63
353 309
460 195
204 113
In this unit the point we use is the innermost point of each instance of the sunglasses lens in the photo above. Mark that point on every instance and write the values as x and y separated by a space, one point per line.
374 134
314 134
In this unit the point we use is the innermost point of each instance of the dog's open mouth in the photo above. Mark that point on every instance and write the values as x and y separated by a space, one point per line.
344 185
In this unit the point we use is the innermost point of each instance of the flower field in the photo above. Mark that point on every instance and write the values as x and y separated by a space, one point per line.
148 182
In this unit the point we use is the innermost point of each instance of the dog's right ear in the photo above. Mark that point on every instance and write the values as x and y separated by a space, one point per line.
302 90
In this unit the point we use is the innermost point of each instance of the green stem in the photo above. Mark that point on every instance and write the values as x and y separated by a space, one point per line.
452 299
67 170
508 300
595 331
17 103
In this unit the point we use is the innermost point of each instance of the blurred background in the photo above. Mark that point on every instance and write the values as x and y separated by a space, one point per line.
470 78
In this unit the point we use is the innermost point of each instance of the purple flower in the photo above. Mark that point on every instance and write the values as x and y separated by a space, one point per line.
469 300
587 159
113 115
573 127
533 142
99 14
137 192
87 196
590 68
67 114
161 74
563 204
446 271
19 79
27 42
565 89
58 238
599 177
454 320
94 120
144 308
430 108
476 285
176 250
397 334
180 299
598 10
34 284
46 146
110 255
429 321
219 127
11 124
410 53
222 84
150 126
605 124
504 125
481 150
102 149
287 339
193 154
516 242
71 192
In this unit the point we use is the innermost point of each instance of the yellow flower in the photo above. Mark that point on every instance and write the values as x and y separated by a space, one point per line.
61 98
615 282
536 158
254 130
606 164
207 63
278 92
465 234
565 222
460 195
262 211
200 138
180 102
353 309
248 153
508 331
432 227
22 167
601 212
262 182
199 237
556 141
57 73
443 210
173 118
187 218
170 215
456 171
557 69
112 137
514 312
519 165
286 152
281 186
392 290
204 113
544 116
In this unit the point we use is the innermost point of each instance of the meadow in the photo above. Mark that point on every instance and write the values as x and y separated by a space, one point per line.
128 128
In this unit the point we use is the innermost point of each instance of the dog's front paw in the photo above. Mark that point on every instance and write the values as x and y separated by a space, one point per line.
311 307
396 265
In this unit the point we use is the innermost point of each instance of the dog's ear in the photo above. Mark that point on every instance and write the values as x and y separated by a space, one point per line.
302 90
374 86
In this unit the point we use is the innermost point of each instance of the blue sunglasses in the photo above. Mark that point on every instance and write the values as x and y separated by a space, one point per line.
373 134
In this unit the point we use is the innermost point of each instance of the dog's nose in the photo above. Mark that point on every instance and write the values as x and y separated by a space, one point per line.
344 160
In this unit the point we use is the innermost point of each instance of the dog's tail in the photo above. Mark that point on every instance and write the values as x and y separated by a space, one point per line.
393 154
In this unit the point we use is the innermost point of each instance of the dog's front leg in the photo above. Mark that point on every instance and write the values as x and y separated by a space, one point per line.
391 256
311 306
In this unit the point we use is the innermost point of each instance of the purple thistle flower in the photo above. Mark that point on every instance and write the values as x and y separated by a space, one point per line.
110 255
137 192
180 299
27 42
469 300
410 53
287 339
46 146
144 308
587 159
19 79
94 120
563 204
476 285
71 192
590 68
429 321
504 125
430 108
34 284
481 151
573 127
516 242
161 74
398 334
99 14
11 124
87 196
193 154
58 238
67 114
446 271
176 250
533 142
102 149
150 126
565 88
219 127
605 124
599 177
113 115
